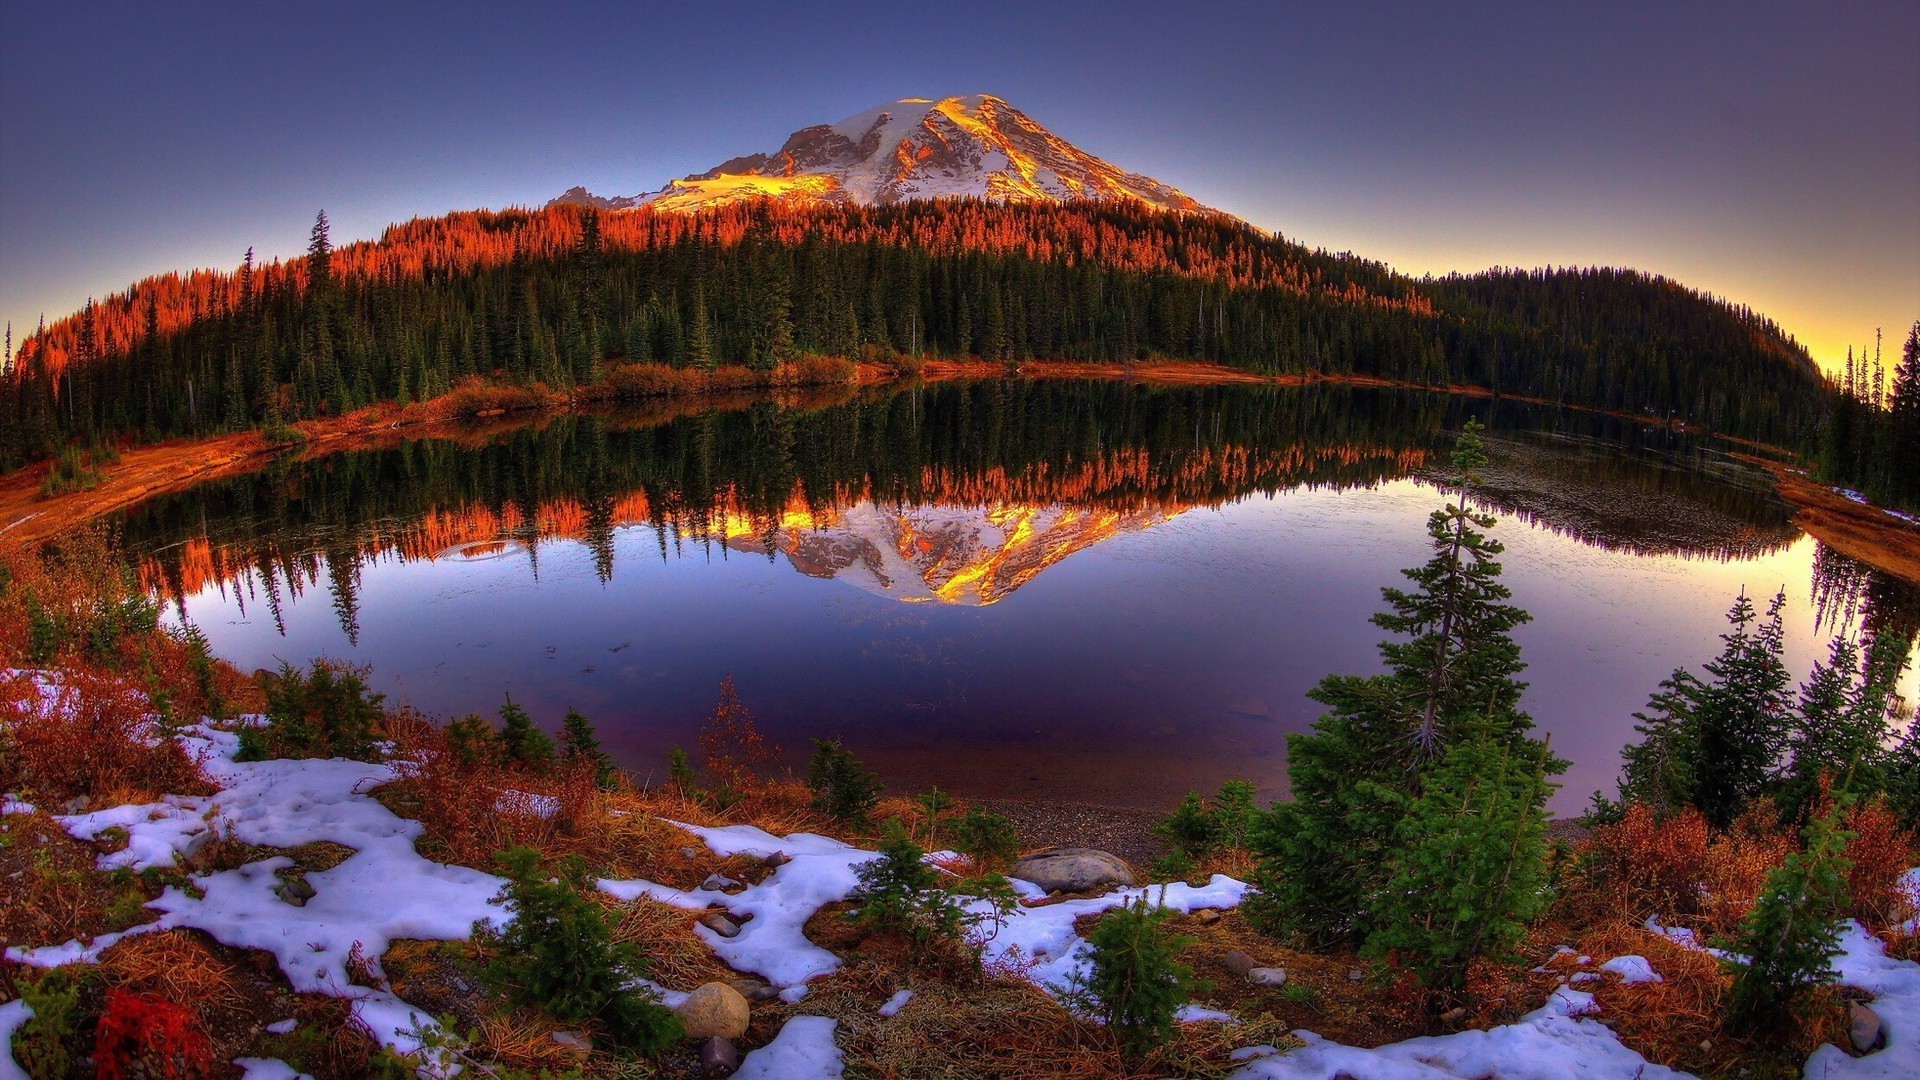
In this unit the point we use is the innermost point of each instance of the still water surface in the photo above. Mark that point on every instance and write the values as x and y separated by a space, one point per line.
1086 591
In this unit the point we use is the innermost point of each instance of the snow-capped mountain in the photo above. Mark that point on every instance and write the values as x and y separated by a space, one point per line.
966 555
914 148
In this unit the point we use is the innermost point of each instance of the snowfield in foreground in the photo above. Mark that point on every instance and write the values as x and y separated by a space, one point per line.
386 891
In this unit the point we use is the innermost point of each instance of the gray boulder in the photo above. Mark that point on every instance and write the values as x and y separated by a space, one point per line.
1075 870
1864 1027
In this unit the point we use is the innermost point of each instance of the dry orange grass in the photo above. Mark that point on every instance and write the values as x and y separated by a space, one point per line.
676 956
178 966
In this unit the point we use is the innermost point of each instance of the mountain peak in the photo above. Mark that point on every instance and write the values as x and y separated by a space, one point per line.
970 145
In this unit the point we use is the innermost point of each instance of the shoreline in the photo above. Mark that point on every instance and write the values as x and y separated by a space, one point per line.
147 471
1856 529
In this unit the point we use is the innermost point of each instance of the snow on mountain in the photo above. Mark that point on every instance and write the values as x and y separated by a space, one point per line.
965 555
915 148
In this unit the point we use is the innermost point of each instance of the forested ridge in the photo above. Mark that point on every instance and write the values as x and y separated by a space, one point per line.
552 296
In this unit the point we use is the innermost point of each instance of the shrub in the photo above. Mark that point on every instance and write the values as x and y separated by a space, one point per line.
989 839
580 749
680 772
1881 852
523 746
89 736
1648 865
1793 932
1133 979
147 1037
732 746
558 953
45 1045
840 786
328 712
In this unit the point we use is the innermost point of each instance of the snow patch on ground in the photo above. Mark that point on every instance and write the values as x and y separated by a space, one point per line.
1632 969
252 1068
1895 984
382 892
1044 938
895 1003
1547 1044
804 1050
13 1014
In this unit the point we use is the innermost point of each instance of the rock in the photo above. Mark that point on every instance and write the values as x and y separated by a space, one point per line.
747 987
718 1055
1206 917
197 852
1074 870
1454 1016
714 1009
720 924
778 859
765 993
1356 975
717 883
575 1042
689 852
1863 1025
1238 962
1270 977
294 890
75 805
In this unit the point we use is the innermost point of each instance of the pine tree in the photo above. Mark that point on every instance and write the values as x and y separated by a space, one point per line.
1355 776
841 787
522 745
1793 932
580 748
1714 744
1469 866
700 352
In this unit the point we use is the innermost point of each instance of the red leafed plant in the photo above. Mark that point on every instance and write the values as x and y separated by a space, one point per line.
147 1036
732 745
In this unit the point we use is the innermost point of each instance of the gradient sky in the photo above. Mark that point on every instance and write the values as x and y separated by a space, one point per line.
1765 152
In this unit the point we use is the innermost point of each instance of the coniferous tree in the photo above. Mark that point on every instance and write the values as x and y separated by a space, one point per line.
580 748
1714 744
1792 934
1353 779
1468 869
522 745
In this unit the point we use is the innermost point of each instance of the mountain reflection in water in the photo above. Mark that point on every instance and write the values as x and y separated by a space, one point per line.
1186 563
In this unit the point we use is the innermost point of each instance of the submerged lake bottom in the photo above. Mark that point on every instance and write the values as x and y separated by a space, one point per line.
1046 590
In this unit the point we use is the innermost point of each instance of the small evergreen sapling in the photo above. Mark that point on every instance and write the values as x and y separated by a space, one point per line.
1133 979
558 953
987 838
580 749
841 786
1793 932
522 745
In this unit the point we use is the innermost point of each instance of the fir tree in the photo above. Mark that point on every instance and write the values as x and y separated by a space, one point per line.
522 745
558 953
1793 932
1714 744
841 787
1469 867
1355 776
580 748
1133 979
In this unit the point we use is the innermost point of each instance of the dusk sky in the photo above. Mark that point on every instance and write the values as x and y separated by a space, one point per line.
1766 153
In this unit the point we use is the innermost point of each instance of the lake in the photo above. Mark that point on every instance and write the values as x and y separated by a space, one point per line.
1091 591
